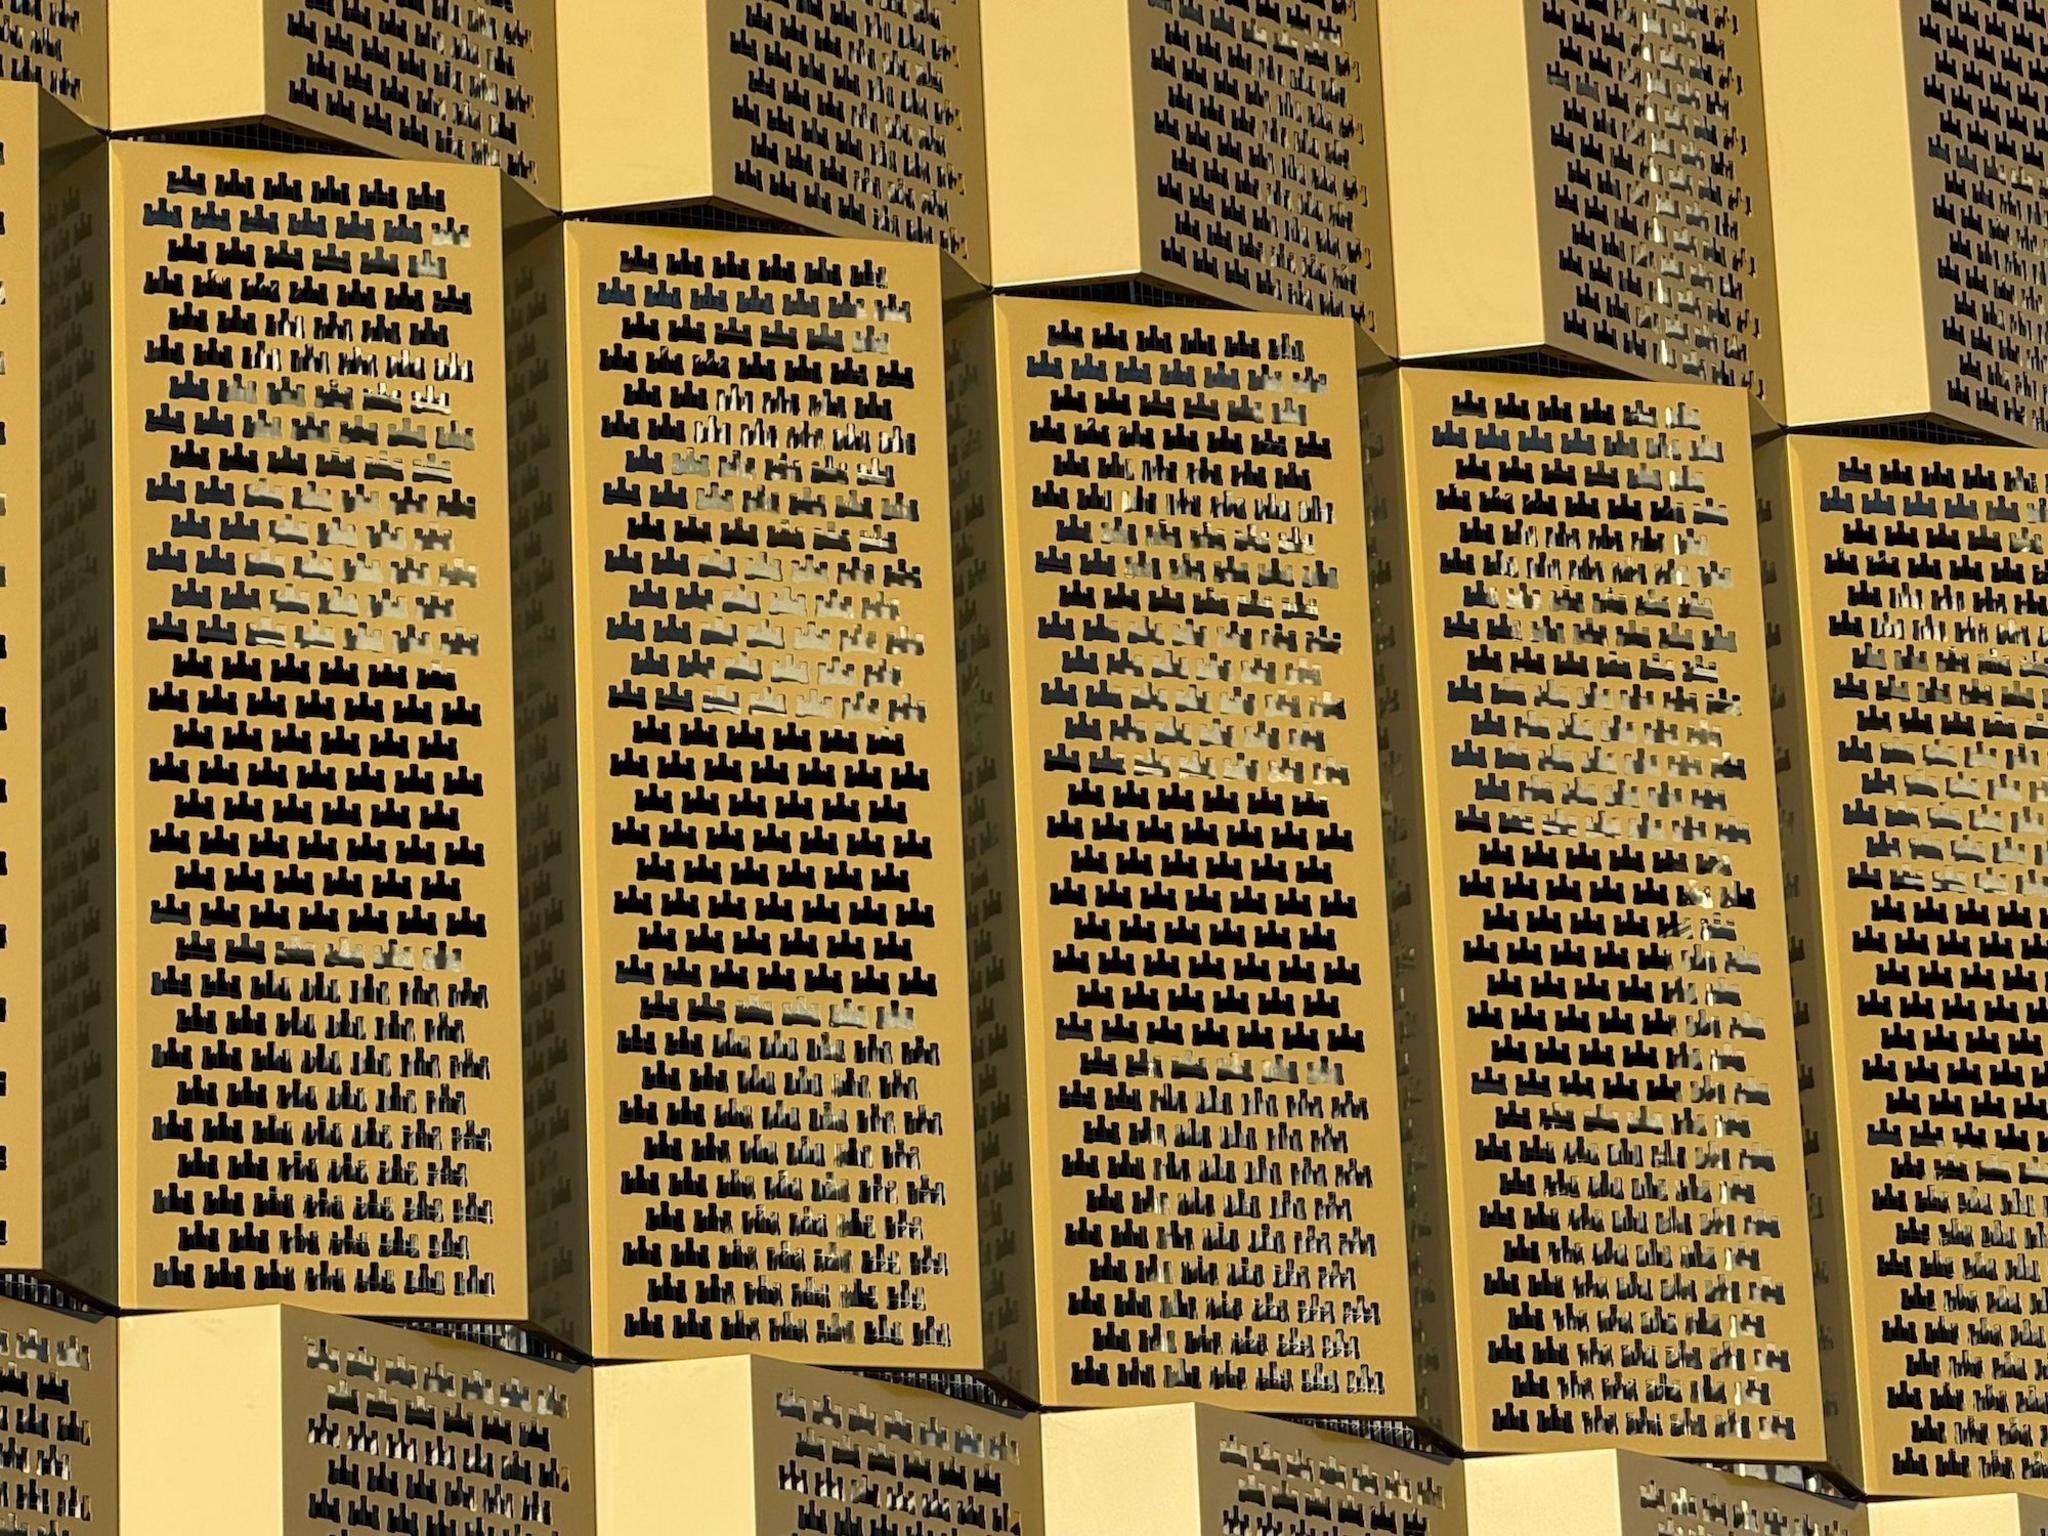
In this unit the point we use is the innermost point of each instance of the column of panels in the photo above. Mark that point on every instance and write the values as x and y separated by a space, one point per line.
779 1127
319 1064
1201 1053
755 1447
1591 941
1911 661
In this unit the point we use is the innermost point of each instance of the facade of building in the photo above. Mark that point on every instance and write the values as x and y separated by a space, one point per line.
906 767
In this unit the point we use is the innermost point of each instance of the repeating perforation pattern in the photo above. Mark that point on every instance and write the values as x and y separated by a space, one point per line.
1682 1501
1282 1479
323 970
781 958
456 79
57 1469
1257 119
51 43
1660 239
408 1433
859 1459
1921 574
1976 70
862 116
1612 973
1191 684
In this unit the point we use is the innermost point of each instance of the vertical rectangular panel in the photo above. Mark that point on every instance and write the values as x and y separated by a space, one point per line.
277 1421
1215 150
775 1014
60 48
1653 192
1258 155
856 119
469 81
318 960
757 1447
57 1382
1204 1055
80 920
21 701
1572 585
1602 1493
1188 1470
386 1428
1912 575
1974 117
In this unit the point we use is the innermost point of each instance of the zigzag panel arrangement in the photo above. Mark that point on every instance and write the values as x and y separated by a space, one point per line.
773 947
1198 988
1589 923
919 767
1910 662
319 1073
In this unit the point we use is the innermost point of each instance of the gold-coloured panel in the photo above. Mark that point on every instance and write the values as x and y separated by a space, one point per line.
758 1447
21 703
1991 1514
774 1018
1975 116
862 118
1190 937
1246 152
1589 926
1910 658
283 1422
317 968
1624 1494
1915 129
1190 1471
385 1427
1653 205
1584 178
470 82
81 1114
59 46
59 1469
